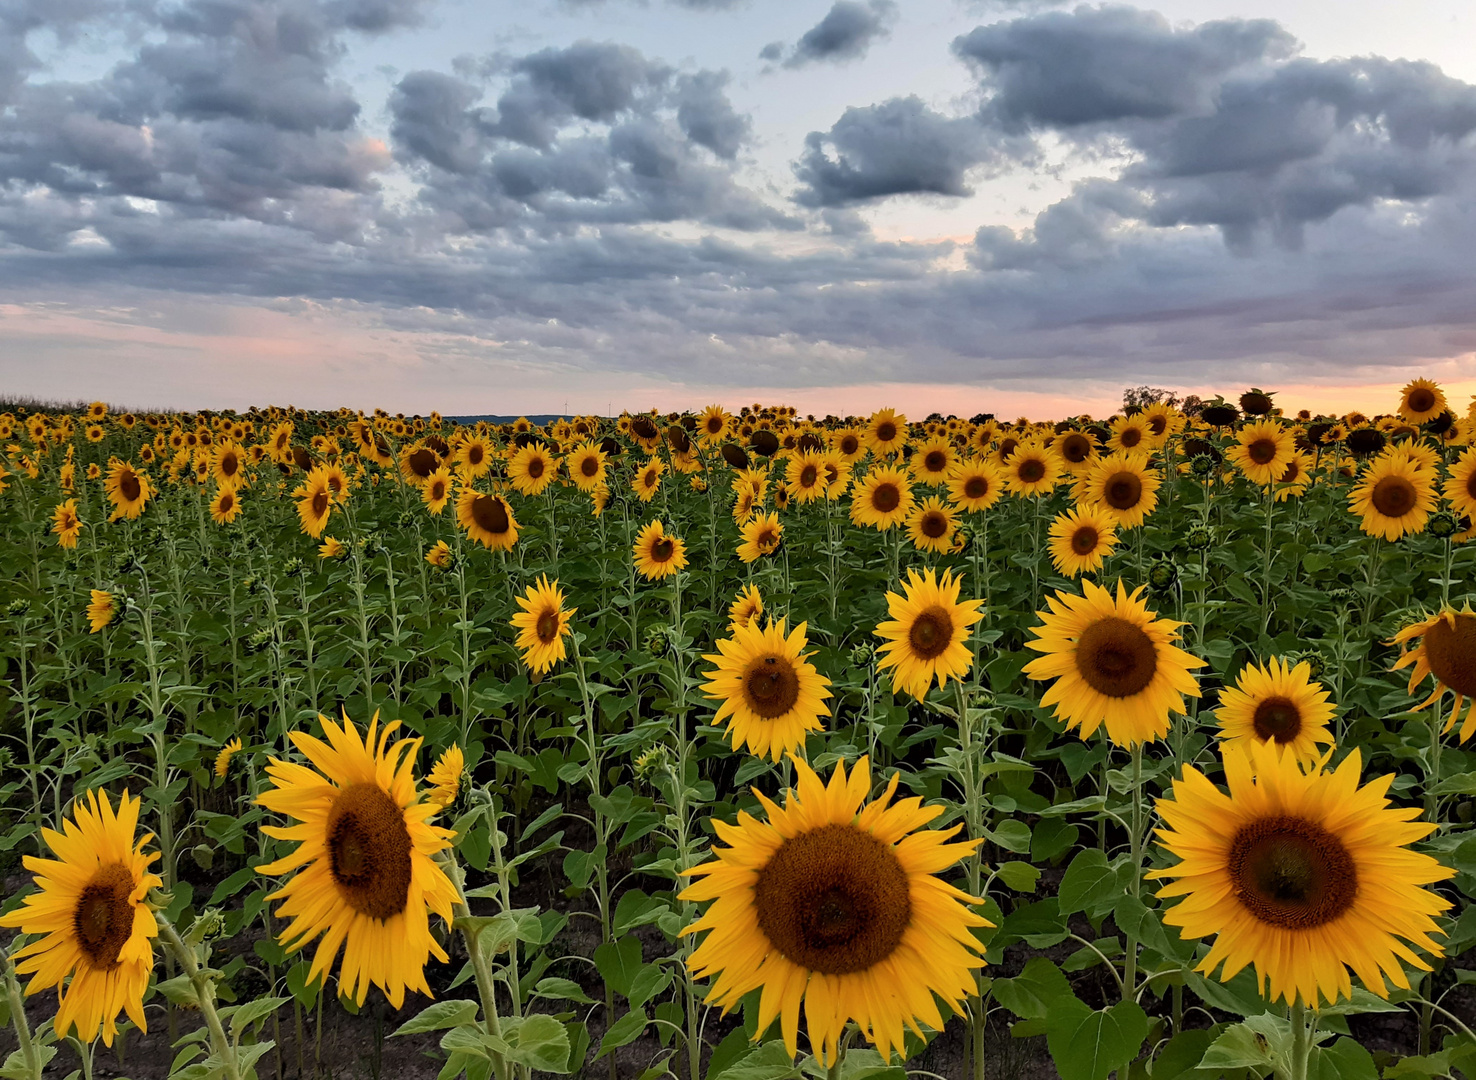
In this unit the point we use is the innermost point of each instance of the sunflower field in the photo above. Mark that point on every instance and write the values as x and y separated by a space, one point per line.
739 746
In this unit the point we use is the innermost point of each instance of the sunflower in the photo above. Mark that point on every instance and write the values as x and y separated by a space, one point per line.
1163 420
930 526
657 553
542 625
849 444
91 919
223 759
882 499
331 548
587 466
805 477
1304 874
66 524
647 481
367 880
1114 661
746 607
1447 651
1460 488
445 777
474 456
926 633
418 463
1297 477
761 536
97 411
314 504
128 490
336 479
886 432
932 462
1130 434
227 463
1394 497
713 424
975 485
1421 400
1261 451
225 504
1075 450
532 469
1277 704
837 474
836 905
1081 540
487 519
436 491
439 555
772 696
1031 470
101 610
1124 486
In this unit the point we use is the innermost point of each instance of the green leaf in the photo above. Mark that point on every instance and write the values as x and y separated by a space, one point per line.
563 989
618 962
1020 876
1260 1042
243 1016
1089 884
1181 1055
1031 994
1343 1060
1088 1045
734 1047
1136 918
625 1030
538 1041
1012 835
649 981
442 1014
179 991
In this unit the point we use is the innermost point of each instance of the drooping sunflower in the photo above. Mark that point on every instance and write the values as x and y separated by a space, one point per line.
772 696
746 607
66 524
101 610
91 919
542 625
930 526
1394 496
647 481
975 485
314 504
532 469
1302 873
436 491
762 536
487 519
886 432
1278 704
128 490
932 462
439 555
882 499
586 466
1446 651
1114 662
657 553
805 477
1081 540
1032 470
926 632
836 906
366 878
223 759
445 777
1421 400
1124 486
225 504
1261 451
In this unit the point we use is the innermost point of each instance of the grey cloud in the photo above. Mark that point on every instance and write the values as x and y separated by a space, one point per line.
589 80
707 116
845 33
433 120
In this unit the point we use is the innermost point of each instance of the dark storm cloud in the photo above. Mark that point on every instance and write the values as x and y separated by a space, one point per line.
845 33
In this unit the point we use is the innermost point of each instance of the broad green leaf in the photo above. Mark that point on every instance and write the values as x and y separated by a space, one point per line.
1089 1045
440 1014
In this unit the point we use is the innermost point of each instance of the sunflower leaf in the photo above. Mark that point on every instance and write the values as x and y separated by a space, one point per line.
441 1014
1087 1044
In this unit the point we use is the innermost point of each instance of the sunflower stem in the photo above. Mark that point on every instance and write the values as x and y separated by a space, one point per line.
220 1045
18 1021
1135 839
1301 1050
486 987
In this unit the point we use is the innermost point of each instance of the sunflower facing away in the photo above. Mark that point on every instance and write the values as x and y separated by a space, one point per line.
66 524
101 610
90 914
882 499
1460 489
1124 486
1446 650
1081 540
1262 451
772 696
366 878
762 535
542 625
926 633
1304 874
1114 662
128 490
445 777
746 607
487 519
439 555
223 759
834 904
1277 704
657 553
1394 497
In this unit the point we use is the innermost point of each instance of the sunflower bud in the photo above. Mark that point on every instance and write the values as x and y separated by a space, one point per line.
1202 465
862 655
1342 596
1163 574
1442 525
1199 538
259 640
17 608
657 640
650 763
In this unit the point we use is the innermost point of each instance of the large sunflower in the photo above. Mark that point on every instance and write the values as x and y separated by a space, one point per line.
1130 434
474 456
1076 450
932 462
227 463
657 553
805 477
835 905
532 469
1277 704
772 696
886 432
1447 651
1114 661
1124 486
1262 451
1302 873
487 519
930 526
587 466
91 917
762 535
975 485
1421 400
926 632
882 499
128 490
542 625
418 463
367 881
1394 496
1081 540
647 481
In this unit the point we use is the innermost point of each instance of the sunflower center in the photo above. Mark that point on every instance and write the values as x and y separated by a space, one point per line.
650 478
474 454
489 513
935 461
1293 470
886 498
227 500
771 686
229 464
103 917
976 487
1075 449
1394 496
767 539
1158 424
547 627
1084 540
808 475
661 550
714 425
1451 652
849 445
369 850
320 503
1292 873
128 484
438 489
1115 657
931 633
535 468
589 467
1122 490
833 900
886 431
1032 471
1262 451
1278 719
423 463
1421 400
1130 436
933 525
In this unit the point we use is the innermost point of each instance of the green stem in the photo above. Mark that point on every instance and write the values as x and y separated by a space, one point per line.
486 987
220 1045
1301 1051
1130 946
18 1021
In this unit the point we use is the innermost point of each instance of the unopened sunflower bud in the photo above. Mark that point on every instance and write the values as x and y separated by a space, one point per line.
649 763
17 608
1199 538
1312 658
1163 574
259 640
292 567
657 640
862 655
1202 465
1443 524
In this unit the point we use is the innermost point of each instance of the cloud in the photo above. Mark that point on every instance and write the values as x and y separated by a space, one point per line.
845 33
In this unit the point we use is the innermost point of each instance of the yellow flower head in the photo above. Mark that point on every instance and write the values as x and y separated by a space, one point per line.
925 635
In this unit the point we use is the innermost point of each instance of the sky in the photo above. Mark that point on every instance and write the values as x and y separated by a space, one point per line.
1012 206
